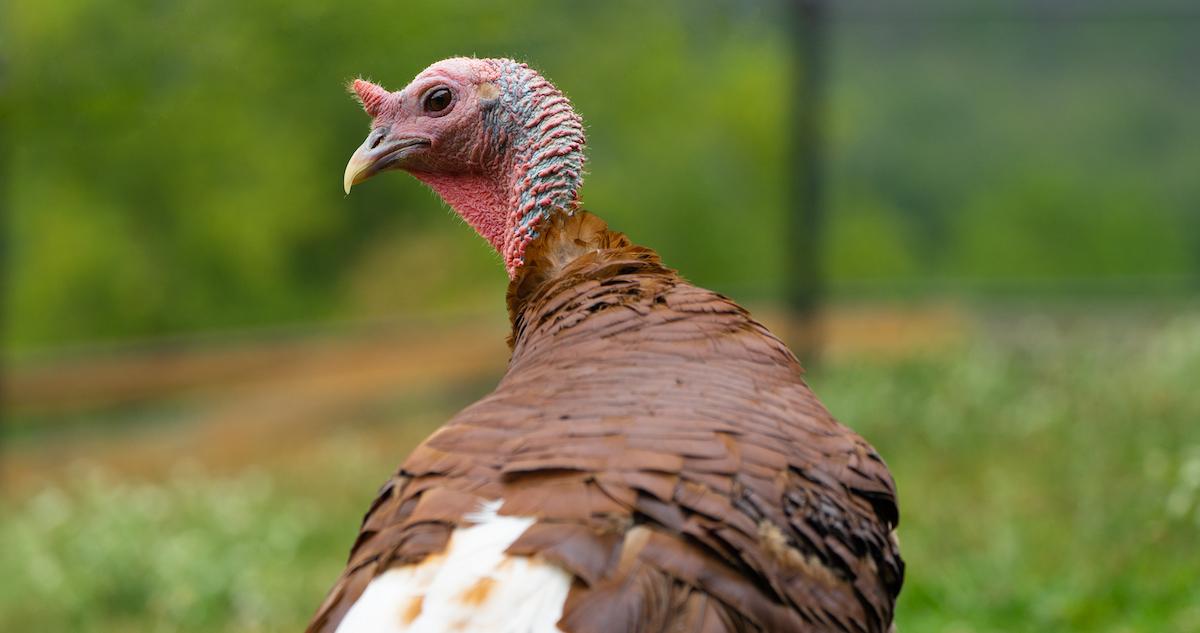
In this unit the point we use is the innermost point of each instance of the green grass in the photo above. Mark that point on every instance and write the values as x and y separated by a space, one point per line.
1048 480
192 553
1049 477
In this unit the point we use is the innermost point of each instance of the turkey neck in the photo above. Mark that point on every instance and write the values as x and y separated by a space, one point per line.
526 169
571 249
480 199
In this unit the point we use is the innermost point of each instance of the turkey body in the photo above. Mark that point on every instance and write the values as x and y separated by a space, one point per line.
660 453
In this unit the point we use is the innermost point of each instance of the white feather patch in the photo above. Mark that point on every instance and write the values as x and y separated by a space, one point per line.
472 586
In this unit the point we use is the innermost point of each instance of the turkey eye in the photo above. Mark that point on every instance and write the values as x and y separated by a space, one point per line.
438 100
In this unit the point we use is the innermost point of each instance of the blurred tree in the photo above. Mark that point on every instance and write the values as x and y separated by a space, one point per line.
175 166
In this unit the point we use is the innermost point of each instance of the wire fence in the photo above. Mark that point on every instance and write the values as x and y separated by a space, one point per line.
973 57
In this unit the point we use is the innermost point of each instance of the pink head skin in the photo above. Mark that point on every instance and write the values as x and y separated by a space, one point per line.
493 138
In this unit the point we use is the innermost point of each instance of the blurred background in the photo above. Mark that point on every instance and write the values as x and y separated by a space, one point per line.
212 357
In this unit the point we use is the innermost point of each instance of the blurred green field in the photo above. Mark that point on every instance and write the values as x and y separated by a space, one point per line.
184 449
1049 472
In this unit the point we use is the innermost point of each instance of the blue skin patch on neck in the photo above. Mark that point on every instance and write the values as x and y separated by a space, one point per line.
536 123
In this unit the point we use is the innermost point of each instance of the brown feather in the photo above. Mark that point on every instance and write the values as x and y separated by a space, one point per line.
675 460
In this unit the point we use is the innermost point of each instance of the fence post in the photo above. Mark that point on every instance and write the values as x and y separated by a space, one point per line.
805 226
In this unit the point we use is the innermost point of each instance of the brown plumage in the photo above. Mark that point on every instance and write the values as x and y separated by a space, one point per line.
652 461
676 462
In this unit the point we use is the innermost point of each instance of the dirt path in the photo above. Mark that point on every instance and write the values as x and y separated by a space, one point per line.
231 404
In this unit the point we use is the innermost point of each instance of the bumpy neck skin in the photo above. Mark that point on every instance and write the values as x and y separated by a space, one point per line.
528 166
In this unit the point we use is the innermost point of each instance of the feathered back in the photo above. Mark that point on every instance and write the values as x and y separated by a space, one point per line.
668 452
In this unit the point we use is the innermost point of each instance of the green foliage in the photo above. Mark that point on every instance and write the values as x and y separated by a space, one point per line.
176 166
1015 151
188 554
1049 480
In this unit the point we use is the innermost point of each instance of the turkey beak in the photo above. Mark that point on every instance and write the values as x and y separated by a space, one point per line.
378 153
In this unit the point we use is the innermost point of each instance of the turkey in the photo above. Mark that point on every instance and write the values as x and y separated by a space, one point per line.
652 461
